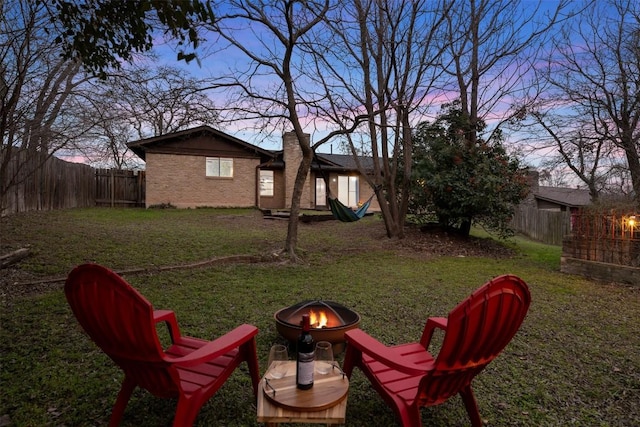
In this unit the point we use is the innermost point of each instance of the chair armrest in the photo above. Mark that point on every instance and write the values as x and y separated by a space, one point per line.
429 328
169 317
366 344
221 345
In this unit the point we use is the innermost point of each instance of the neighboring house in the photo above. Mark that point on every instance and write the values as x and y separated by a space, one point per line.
205 167
561 199
555 198
546 213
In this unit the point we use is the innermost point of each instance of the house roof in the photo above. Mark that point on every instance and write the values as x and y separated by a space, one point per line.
272 159
572 197
325 162
341 162
140 147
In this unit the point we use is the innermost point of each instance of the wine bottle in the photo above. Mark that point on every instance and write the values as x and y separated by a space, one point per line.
306 356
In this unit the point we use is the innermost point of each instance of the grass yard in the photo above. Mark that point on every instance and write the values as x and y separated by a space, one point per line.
575 361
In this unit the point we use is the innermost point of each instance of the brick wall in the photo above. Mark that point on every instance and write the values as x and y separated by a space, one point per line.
292 158
601 271
365 193
277 200
180 180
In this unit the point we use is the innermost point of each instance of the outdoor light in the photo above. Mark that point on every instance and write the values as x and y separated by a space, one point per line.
629 224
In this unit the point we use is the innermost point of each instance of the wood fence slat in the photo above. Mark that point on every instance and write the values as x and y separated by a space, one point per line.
57 184
119 187
543 225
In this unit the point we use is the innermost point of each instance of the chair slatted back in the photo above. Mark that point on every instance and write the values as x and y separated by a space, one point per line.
478 329
120 321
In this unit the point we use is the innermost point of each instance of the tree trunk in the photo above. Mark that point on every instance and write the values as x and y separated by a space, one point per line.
291 243
634 170
390 219
465 228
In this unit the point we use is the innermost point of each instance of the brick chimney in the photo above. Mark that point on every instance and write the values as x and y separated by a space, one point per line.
292 156
533 176
533 179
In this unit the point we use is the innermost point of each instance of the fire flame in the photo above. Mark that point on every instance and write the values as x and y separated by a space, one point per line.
318 320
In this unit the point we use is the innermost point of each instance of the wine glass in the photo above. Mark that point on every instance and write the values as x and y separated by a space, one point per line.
324 357
278 361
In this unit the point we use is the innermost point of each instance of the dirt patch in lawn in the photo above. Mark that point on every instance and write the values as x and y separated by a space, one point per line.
324 237
418 241
436 242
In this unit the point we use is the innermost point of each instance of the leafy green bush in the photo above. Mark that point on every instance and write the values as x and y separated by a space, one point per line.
463 180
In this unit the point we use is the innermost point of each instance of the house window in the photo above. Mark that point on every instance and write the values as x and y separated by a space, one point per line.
220 167
321 192
266 183
348 190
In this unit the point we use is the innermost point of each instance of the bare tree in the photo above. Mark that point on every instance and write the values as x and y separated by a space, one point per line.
592 110
141 102
383 59
165 99
494 46
278 32
586 155
89 32
551 175
49 105
36 89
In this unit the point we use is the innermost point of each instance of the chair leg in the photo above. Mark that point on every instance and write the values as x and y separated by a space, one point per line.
410 416
186 412
251 356
352 358
472 406
121 402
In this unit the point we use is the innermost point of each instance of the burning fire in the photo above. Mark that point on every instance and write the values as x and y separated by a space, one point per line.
318 320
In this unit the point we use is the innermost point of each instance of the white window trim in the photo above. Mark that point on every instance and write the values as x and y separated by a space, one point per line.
349 190
219 167
267 191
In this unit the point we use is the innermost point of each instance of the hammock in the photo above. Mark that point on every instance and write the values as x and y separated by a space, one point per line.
345 213
338 209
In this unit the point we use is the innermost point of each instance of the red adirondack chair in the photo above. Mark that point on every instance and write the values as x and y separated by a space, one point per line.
408 377
123 324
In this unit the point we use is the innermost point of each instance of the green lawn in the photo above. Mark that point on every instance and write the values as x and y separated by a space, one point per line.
575 361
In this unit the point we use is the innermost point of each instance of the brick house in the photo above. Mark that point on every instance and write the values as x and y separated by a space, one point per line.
205 167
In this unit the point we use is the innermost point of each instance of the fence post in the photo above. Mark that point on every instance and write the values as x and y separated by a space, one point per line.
112 184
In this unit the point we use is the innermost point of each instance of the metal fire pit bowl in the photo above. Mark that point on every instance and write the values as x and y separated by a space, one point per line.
339 320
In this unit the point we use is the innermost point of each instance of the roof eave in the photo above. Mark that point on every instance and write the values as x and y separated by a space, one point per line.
559 202
139 147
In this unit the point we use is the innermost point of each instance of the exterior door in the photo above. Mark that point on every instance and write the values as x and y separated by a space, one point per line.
348 190
321 192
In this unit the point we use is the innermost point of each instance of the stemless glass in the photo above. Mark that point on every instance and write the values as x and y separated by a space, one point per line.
278 361
324 357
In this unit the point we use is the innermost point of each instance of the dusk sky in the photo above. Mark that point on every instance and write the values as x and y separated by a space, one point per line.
216 60
216 64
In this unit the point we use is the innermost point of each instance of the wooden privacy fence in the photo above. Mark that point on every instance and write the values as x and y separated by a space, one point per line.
543 225
56 184
609 238
603 246
119 188
37 185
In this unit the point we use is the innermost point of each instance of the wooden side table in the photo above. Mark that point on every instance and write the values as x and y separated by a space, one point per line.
324 403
